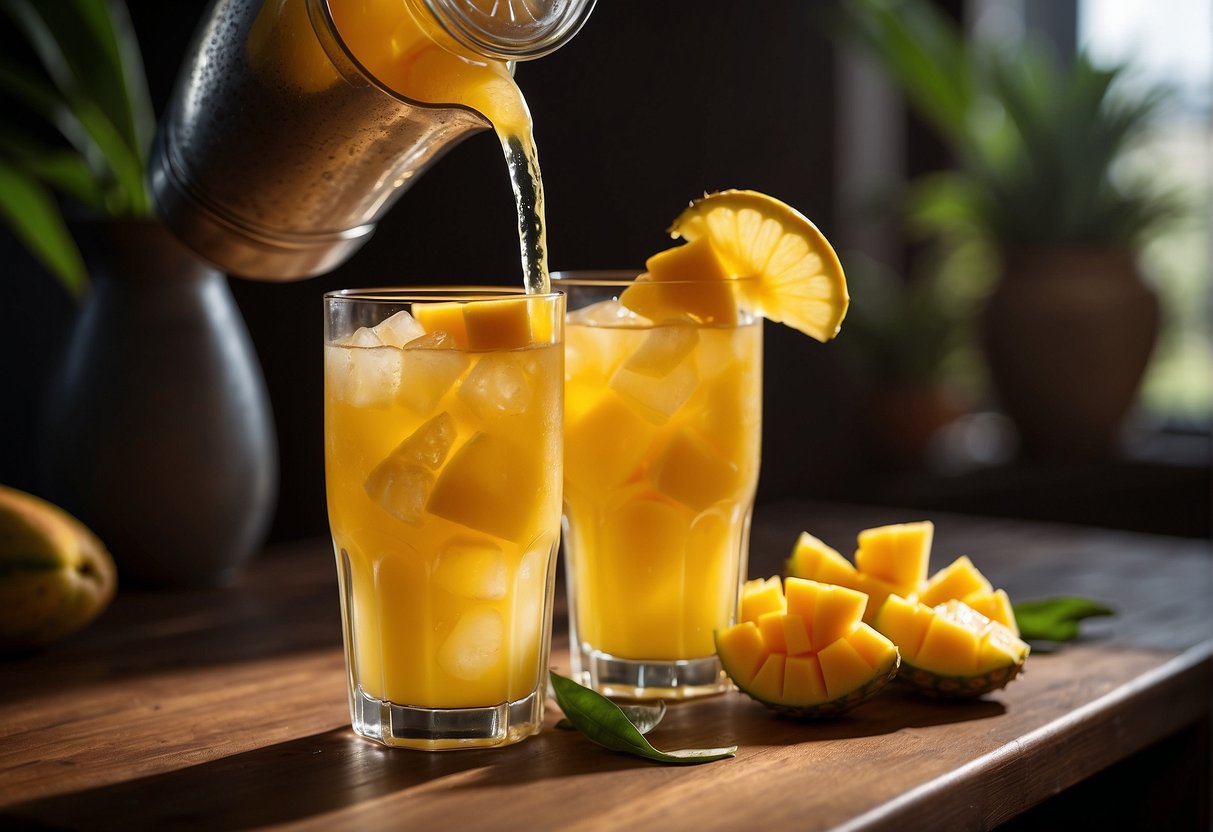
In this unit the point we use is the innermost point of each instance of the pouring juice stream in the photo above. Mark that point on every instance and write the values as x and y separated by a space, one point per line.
411 55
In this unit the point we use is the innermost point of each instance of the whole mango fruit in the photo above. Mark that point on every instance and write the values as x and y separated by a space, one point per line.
55 574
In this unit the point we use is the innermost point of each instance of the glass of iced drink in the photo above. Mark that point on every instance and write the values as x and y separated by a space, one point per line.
442 425
662 441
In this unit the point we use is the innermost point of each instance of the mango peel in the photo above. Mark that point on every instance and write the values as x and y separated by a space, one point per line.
56 576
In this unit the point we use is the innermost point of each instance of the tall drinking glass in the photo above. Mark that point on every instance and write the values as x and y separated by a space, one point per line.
442 423
662 444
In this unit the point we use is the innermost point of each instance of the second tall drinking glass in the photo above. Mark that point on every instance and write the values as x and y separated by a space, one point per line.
662 447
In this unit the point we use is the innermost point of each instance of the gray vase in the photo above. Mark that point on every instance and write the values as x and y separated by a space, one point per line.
157 431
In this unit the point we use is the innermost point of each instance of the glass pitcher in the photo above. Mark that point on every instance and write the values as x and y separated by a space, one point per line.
282 146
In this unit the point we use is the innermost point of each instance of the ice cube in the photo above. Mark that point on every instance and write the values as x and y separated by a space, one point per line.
401 482
604 313
472 568
429 444
399 329
474 646
361 337
657 399
429 366
401 489
662 350
363 376
530 587
496 386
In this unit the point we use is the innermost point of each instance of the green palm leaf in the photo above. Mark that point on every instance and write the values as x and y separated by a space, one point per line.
30 210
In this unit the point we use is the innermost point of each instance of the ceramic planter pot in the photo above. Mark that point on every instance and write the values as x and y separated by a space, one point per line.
1067 336
156 428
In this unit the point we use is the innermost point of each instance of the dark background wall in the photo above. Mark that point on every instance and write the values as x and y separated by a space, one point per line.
649 106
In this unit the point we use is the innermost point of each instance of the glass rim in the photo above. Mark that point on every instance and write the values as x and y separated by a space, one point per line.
607 278
434 293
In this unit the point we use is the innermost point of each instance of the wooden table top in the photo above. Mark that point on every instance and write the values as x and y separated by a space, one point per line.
226 708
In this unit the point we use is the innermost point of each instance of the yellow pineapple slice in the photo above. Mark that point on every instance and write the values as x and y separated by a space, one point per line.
788 269
777 262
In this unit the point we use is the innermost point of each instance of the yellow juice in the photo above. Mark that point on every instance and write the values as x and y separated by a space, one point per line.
442 460
403 49
662 445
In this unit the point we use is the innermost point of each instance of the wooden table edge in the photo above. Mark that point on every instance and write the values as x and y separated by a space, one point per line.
999 785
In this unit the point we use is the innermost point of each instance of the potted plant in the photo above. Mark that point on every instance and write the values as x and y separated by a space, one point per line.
88 125
156 429
1069 325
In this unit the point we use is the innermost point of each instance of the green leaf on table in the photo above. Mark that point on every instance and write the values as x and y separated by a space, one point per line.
603 722
1056 619
643 715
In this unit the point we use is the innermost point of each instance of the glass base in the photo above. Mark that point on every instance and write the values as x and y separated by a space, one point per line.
440 729
648 679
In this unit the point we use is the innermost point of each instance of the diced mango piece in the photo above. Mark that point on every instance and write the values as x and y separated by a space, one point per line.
803 683
836 612
742 649
686 282
995 606
956 580
904 623
843 668
949 648
875 648
999 637
489 484
547 320
813 559
898 554
771 625
802 599
768 681
693 261
796 636
443 317
503 324
693 473
877 591
759 597
993 654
